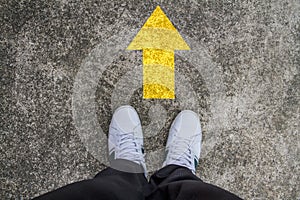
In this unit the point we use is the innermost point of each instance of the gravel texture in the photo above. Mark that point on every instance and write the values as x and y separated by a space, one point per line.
241 76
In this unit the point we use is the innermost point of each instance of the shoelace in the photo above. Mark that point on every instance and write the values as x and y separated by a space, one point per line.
129 149
181 152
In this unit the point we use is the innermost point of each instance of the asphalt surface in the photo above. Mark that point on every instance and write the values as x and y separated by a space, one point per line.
64 69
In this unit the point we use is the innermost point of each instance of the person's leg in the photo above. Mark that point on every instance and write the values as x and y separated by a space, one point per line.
177 179
125 177
108 184
177 182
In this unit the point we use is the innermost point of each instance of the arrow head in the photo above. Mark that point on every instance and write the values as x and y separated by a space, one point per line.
158 33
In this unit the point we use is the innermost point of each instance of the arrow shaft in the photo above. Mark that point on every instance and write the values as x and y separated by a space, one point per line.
158 74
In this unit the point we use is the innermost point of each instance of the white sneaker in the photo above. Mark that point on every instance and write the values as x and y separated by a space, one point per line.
125 140
184 141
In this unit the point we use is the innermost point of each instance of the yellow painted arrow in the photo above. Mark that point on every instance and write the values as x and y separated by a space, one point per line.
158 39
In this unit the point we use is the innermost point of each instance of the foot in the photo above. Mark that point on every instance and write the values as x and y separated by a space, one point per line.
184 141
125 140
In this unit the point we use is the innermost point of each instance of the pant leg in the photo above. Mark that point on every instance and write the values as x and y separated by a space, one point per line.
108 184
175 182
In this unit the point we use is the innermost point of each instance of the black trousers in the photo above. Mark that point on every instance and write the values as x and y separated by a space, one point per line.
170 183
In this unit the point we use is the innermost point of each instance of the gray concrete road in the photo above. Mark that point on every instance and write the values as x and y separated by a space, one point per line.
64 68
